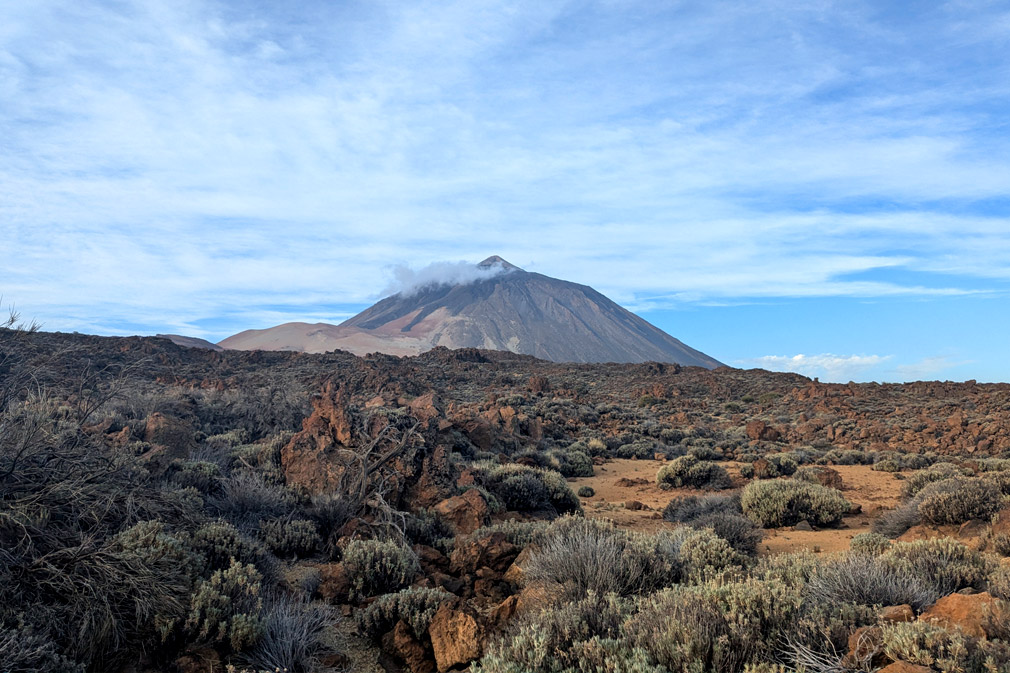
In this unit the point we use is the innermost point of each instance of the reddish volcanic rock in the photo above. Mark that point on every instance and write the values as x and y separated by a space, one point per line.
466 512
958 611
457 635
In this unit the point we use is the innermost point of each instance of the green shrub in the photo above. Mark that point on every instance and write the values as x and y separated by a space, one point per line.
999 583
887 466
293 635
702 552
685 633
552 640
572 463
959 499
787 502
641 449
943 563
377 567
865 579
742 534
586 492
938 472
414 605
688 471
202 475
873 544
581 556
430 528
687 508
522 488
932 646
219 542
774 465
226 608
290 537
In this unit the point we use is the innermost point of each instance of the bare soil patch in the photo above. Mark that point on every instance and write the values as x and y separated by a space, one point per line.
622 481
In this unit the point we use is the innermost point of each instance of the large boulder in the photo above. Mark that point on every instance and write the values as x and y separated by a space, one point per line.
761 431
491 551
457 634
967 613
312 458
466 512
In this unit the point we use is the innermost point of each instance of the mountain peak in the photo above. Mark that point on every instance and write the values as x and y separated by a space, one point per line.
495 260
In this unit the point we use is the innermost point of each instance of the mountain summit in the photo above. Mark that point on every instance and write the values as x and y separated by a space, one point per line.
502 308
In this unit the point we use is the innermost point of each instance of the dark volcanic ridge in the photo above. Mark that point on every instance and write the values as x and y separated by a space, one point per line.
514 310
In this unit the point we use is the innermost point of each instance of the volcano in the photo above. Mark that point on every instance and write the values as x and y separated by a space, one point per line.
504 308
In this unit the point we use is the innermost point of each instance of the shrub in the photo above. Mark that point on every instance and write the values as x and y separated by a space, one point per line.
430 528
414 605
293 635
219 542
689 471
999 583
553 640
888 465
583 556
202 475
246 498
597 447
226 608
787 502
774 465
938 472
873 544
641 449
894 523
932 646
959 499
24 651
572 463
523 488
742 534
378 566
943 563
586 492
519 533
685 633
702 552
866 580
687 508
290 537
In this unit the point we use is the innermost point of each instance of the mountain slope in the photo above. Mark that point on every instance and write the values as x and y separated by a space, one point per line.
512 310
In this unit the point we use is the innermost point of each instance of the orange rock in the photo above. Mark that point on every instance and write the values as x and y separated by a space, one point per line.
466 512
896 614
491 551
866 648
967 613
457 635
333 582
904 667
406 647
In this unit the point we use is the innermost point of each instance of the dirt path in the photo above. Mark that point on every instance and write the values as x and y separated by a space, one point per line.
623 481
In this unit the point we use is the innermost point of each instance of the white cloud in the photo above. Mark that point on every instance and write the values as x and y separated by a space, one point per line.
826 366
164 163
407 281
927 368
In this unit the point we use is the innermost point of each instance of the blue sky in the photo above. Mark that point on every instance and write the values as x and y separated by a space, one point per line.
819 186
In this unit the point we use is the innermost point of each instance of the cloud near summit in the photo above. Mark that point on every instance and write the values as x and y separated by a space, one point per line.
408 282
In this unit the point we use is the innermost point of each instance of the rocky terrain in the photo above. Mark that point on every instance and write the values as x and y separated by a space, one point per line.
508 309
165 508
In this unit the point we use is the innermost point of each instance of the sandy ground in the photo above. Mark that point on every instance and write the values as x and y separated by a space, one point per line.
622 481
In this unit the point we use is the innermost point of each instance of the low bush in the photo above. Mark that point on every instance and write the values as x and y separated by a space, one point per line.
688 471
377 567
897 521
290 537
742 534
944 564
414 605
887 466
586 492
687 508
293 635
572 463
581 556
959 499
226 608
522 488
774 465
777 503
866 580
937 472
873 544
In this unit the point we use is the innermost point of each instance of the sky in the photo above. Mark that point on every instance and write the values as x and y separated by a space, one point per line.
820 187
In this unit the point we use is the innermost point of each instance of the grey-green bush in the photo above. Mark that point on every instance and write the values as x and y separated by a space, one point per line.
786 502
377 567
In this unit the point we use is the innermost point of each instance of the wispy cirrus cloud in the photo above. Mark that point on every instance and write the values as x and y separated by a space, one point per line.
166 163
